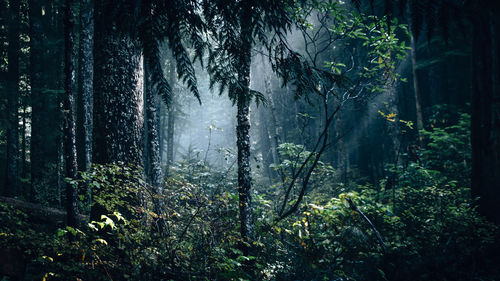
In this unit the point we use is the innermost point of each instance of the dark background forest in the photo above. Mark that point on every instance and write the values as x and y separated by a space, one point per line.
249 140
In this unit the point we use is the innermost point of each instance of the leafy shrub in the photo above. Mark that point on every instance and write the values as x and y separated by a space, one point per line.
423 227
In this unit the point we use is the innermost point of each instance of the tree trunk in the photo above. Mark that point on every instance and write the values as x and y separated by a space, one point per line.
170 121
69 115
170 137
163 124
153 136
85 101
59 167
416 88
85 85
118 92
13 100
273 126
393 128
244 171
341 149
265 143
258 74
36 58
243 137
24 170
485 125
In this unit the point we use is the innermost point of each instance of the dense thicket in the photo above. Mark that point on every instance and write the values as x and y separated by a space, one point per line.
249 140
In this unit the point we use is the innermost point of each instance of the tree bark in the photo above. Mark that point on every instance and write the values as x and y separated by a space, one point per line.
85 85
69 115
485 123
170 137
24 168
163 124
273 126
416 88
170 121
36 58
118 92
59 167
153 136
342 156
265 143
393 128
13 100
244 171
243 137
257 74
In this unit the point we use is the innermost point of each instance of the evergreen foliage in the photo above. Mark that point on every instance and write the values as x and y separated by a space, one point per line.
334 141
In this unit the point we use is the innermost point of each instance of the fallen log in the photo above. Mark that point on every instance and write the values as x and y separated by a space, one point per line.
43 214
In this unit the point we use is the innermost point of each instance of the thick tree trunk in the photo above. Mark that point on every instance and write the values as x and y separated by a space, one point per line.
118 93
85 85
36 57
69 115
485 126
13 100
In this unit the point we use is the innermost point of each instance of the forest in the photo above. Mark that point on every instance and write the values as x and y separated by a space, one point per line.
249 140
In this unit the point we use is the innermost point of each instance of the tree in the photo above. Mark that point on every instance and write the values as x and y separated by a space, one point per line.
118 85
365 63
69 115
119 76
170 121
416 88
152 105
235 41
153 134
85 93
485 126
235 26
85 84
13 99
37 154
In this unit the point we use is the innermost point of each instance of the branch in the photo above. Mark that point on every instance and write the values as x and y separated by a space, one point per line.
356 209
305 182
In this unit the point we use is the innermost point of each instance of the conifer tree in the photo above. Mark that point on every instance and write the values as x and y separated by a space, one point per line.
13 99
